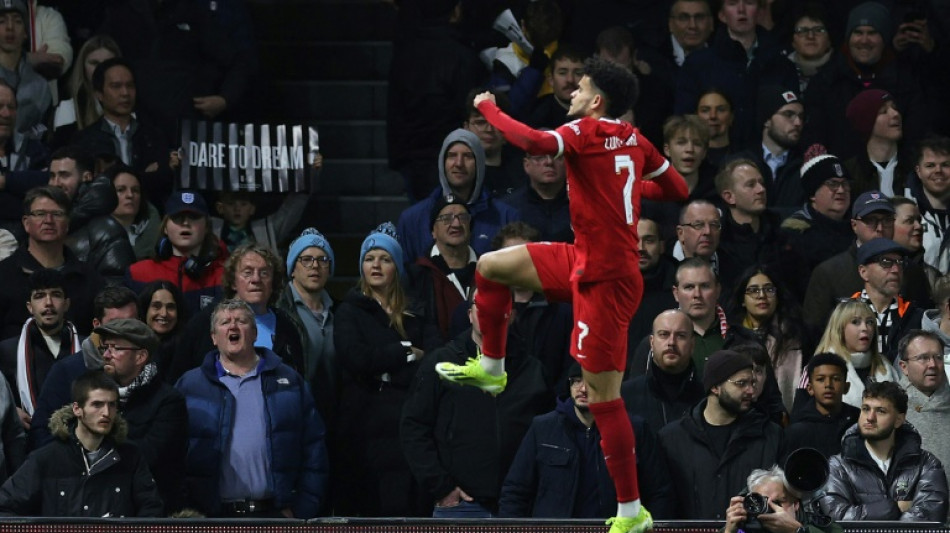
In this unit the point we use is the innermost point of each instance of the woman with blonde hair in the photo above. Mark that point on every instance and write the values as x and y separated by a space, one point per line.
852 333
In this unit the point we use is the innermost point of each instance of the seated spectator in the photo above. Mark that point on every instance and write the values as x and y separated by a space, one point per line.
80 108
253 274
852 335
162 308
382 342
820 229
715 108
58 481
698 233
154 411
882 473
741 57
23 161
928 393
929 186
188 254
111 303
305 299
32 90
938 320
821 421
94 236
909 233
543 202
47 337
565 72
124 131
443 280
763 307
881 266
881 166
134 212
461 174
45 222
711 449
459 441
659 275
670 385
575 488
691 24
811 42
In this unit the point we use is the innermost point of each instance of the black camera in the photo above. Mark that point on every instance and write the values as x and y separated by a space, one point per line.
756 504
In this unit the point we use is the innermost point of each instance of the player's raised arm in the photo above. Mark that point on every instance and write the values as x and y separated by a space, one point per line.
530 140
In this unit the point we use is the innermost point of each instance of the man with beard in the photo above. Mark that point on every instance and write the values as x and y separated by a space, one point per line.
585 489
712 449
874 116
781 116
669 386
88 470
882 473
567 69
659 274
46 338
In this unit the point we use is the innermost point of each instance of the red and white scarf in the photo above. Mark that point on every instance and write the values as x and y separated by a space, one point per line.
26 385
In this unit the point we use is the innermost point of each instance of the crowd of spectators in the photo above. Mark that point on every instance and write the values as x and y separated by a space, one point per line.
188 362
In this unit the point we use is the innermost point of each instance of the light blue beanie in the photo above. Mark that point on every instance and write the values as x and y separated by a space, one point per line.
384 238
309 237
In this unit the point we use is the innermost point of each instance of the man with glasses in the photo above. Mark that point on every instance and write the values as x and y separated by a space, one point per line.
253 273
445 277
928 392
154 411
305 299
543 202
690 26
712 449
502 169
698 232
46 223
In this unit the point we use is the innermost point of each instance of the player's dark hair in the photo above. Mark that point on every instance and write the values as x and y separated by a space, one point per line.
826 359
618 85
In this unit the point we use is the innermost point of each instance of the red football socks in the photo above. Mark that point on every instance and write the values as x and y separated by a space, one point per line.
493 306
618 442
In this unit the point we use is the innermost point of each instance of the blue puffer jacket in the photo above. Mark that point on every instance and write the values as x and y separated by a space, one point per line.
298 454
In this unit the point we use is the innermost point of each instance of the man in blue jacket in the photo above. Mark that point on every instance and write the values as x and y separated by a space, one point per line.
269 462
559 470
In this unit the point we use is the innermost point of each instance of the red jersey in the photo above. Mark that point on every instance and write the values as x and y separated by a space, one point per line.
608 167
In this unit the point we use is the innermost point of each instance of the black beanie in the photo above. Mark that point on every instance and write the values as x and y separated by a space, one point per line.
721 365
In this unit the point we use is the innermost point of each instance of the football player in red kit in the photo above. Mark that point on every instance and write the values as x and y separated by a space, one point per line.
610 166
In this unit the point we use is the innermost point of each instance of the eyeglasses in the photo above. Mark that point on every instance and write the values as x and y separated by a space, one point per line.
888 263
810 30
924 359
263 273
464 218
105 347
180 218
41 214
836 185
310 261
684 18
479 124
743 383
767 290
714 225
792 115
874 222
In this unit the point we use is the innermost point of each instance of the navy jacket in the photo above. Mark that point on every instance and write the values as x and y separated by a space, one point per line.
295 431
544 478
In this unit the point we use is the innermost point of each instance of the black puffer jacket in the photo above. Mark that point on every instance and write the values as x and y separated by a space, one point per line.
704 479
94 236
858 490
55 480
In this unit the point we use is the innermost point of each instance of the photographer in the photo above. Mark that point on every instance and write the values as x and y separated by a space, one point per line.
782 513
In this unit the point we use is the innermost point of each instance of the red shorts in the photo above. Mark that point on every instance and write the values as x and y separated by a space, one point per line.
602 309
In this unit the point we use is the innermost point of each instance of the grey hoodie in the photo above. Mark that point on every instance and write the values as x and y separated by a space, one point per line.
471 140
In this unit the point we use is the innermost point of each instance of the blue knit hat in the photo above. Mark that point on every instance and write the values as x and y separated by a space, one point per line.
383 238
308 238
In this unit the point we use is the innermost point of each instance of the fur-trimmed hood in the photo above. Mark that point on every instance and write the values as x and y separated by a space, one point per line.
62 424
